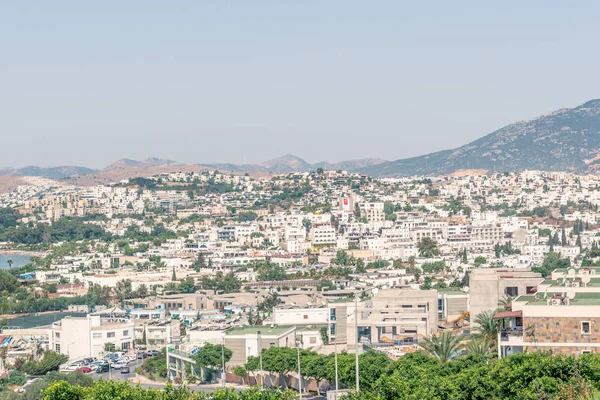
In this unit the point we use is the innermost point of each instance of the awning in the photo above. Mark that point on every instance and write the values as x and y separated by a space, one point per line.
508 314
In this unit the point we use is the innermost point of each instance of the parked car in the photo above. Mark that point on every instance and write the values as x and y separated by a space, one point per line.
142 355
84 369
125 369
118 364
152 353
88 361
73 366
104 367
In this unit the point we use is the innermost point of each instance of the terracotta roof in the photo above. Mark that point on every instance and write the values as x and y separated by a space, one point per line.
508 314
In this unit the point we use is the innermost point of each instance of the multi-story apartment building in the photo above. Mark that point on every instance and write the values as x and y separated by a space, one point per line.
487 287
79 337
391 315
565 323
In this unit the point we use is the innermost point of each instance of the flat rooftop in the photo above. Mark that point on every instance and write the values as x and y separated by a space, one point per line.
264 330
580 299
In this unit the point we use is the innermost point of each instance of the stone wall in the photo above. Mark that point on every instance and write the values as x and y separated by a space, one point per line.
562 330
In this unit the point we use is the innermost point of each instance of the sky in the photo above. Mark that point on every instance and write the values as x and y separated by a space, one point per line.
87 83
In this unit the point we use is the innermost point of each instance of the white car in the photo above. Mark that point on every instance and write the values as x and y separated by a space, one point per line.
118 364
74 366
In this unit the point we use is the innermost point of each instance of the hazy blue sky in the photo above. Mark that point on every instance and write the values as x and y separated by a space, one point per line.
86 83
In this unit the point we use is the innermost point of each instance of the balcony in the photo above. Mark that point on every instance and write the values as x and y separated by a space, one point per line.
511 337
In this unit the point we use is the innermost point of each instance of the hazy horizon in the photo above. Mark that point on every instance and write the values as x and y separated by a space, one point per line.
87 84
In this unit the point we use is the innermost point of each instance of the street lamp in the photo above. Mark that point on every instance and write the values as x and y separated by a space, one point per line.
298 345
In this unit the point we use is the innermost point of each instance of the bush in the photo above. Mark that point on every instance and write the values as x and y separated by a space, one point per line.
17 378
50 362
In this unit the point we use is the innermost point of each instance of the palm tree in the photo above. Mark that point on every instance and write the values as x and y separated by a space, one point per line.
445 347
171 287
480 347
10 263
487 326
505 302
142 291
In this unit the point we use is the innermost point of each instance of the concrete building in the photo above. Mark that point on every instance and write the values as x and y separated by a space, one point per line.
390 316
488 286
566 323
79 337
300 316
157 334
246 341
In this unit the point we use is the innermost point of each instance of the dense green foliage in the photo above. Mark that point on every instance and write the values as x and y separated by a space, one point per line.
64 229
155 368
123 390
35 390
282 360
51 361
525 376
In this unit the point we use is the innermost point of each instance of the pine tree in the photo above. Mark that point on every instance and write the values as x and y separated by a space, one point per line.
174 276
578 242
563 238
464 257
497 250
587 226
555 238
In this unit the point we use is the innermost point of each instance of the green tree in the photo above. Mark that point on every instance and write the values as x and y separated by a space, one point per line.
445 347
480 260
211 356
187 285
428 248
487 326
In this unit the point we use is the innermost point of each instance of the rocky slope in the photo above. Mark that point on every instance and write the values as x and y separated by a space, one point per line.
564 140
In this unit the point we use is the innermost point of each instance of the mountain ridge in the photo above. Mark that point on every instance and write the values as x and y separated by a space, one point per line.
567 139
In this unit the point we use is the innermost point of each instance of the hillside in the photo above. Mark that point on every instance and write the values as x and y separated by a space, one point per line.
563 140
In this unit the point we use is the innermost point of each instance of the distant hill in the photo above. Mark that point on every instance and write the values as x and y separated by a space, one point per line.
290 163
63 172
564 140
147 162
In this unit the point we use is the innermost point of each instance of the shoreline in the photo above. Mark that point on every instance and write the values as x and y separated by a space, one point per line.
28 253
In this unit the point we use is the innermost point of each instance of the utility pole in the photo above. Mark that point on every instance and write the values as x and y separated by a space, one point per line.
337 388
298 343
259 343
223 360
356 331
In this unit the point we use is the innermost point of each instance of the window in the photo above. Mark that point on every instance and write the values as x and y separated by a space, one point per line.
305 316
57 335
57 348
530 289
585 327
126 333
512 291
110 335
406 305
97 335
586 352
313 340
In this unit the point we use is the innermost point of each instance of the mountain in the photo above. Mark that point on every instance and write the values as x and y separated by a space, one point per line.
147 162
291 163
63 172
286 163
564 140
